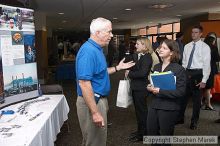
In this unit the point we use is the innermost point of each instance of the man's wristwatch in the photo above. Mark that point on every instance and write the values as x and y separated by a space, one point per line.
116 69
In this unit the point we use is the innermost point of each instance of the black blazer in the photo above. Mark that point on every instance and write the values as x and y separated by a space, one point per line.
214 58
140 71
170 99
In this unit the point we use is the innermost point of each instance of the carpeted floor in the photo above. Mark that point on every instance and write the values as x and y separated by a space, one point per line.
124 120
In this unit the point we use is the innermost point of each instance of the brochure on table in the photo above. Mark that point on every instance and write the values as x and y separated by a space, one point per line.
18 68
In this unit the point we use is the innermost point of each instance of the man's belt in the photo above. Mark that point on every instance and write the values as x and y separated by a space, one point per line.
97 97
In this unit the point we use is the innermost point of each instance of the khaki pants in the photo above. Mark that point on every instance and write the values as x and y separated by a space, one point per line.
92 135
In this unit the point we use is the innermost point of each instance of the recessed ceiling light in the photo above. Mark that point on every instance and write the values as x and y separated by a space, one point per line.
128 9
114 18
61 13
161 6
178 15
150 22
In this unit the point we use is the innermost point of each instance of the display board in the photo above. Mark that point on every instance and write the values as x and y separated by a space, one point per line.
18 68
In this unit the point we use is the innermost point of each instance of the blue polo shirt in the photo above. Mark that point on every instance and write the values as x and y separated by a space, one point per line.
91 65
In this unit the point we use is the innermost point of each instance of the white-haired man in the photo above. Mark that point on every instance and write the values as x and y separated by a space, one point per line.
93 84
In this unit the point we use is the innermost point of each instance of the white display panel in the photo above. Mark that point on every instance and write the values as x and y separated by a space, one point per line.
18 68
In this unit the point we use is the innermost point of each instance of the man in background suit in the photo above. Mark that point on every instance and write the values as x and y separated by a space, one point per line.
179 39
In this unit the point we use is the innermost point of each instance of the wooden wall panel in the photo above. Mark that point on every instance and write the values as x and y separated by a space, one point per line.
211 26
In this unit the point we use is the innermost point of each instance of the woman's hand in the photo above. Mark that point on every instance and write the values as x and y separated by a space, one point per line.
154 90
150 87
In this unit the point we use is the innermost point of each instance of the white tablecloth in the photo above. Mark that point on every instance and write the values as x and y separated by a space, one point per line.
42 130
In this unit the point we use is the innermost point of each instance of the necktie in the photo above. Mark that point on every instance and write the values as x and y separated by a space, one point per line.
191 56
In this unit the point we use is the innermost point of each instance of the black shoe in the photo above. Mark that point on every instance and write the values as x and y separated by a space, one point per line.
193 126
209 108
217 121
109 124
133 134
181 121
136 139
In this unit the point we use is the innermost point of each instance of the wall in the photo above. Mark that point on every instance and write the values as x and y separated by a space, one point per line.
211 26
187 24
42 53
214 16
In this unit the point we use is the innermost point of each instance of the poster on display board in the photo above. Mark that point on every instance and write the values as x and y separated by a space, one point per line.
18 68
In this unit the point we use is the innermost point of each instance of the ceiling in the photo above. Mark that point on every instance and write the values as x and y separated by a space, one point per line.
79 13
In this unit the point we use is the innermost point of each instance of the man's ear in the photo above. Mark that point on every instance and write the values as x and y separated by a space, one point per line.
97 32
201 34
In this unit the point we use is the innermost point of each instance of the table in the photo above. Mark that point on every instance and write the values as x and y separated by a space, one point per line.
37 124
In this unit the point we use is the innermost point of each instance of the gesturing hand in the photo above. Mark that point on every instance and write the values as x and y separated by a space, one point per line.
123 65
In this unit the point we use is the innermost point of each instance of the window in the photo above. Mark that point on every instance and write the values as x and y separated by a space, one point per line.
176 27
168 30
174 36
169 37
152 30
165 28
142 31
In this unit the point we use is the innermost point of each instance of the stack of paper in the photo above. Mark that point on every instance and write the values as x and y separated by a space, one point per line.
163 80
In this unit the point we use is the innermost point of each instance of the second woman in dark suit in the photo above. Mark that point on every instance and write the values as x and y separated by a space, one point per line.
139 79
164 108
210 40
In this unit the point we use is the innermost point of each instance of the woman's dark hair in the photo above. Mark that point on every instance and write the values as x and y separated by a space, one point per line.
162 39
213 34
174 47
209 41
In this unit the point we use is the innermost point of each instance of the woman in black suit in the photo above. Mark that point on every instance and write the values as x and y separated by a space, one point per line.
210 40
164 108
139 79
